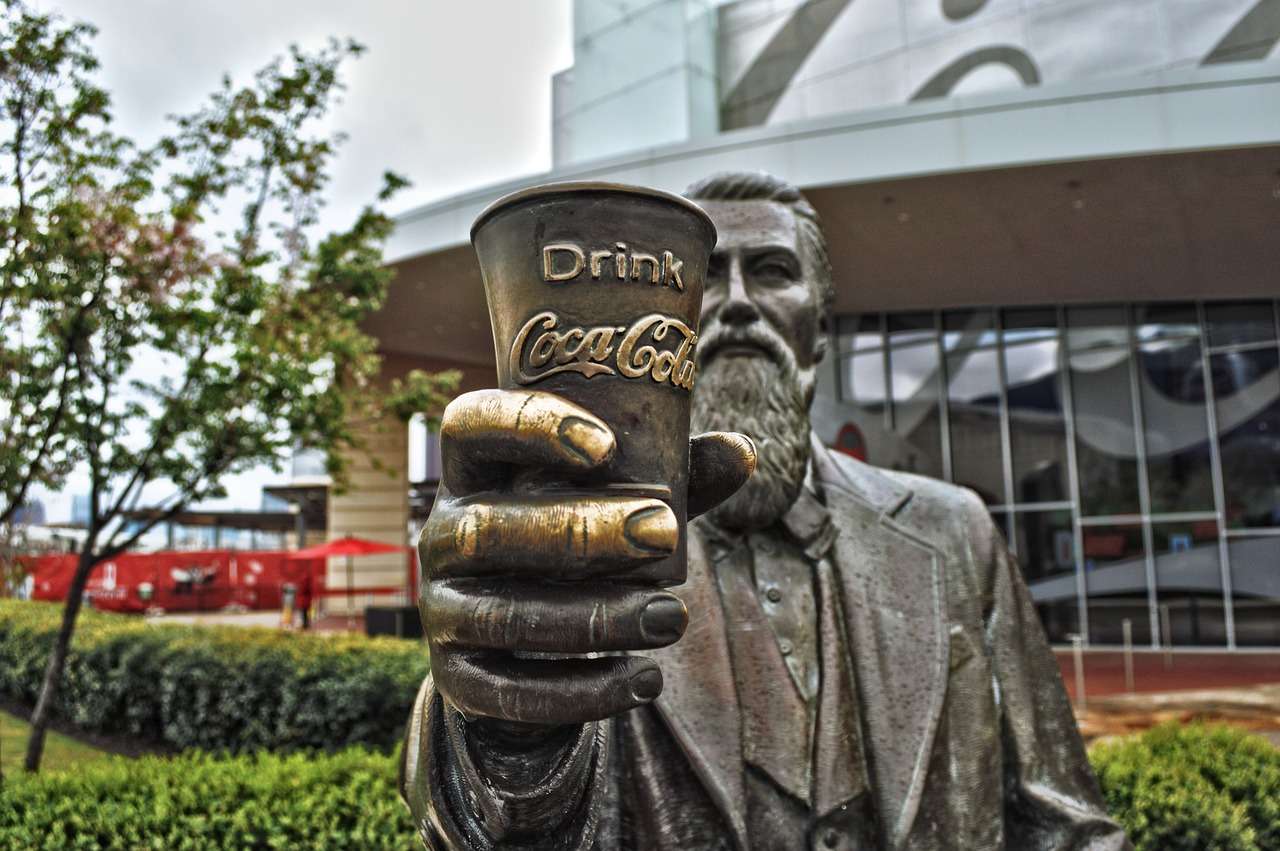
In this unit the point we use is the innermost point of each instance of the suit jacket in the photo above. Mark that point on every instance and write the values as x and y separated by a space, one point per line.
969 736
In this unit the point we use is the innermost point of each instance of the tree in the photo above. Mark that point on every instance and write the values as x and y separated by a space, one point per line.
145 348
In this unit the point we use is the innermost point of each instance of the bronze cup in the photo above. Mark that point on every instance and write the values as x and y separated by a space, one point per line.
594 294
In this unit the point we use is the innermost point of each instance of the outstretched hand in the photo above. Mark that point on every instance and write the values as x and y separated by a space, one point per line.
510 572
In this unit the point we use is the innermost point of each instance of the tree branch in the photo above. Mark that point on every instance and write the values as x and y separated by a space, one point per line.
142 472
70 351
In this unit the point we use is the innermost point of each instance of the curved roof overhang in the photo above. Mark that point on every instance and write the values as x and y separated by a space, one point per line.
1160 187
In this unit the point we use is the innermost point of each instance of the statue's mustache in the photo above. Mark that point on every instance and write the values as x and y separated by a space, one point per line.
718 336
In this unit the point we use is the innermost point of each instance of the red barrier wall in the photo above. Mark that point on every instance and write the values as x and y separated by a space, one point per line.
184 581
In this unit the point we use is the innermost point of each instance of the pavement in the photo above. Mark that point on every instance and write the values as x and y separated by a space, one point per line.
226 618
1180 670
1252 708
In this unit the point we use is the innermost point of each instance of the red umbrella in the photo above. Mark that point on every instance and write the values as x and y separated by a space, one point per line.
346 546
349 546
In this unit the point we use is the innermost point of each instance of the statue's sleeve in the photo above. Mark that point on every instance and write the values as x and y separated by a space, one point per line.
1052 799
475 786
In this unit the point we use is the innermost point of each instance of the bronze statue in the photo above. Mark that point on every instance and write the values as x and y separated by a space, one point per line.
862 667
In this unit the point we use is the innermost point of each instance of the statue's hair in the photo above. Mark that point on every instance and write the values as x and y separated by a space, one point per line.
761 186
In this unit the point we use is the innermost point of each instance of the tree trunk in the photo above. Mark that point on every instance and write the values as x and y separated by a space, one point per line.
57 660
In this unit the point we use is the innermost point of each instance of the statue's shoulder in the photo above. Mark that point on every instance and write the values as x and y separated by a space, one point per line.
945 514
890 490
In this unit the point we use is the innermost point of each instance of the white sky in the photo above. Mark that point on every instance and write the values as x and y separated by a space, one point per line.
453 94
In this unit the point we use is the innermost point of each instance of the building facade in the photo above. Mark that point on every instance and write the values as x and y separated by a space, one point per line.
1055 232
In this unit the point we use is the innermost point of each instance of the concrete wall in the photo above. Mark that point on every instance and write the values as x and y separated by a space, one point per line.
376 506
783 60
643 75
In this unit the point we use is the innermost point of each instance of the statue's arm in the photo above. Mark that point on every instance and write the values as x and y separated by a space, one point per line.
1052 800
474 786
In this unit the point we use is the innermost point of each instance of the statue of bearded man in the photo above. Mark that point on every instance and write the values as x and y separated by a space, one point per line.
862 666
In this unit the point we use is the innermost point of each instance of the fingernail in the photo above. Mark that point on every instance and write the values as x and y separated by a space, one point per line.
748 452
647 684
663 619
586 439
653 530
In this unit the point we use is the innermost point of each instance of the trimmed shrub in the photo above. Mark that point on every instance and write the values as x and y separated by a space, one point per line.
192 802
1193 787
215 688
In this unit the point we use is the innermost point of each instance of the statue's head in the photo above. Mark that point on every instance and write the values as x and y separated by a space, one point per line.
764 330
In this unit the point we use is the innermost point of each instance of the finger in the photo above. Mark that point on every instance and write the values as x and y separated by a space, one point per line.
577 618
555 537
484 430
720 462
545 691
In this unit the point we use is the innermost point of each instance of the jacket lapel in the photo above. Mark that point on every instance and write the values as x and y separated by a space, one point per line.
892 584
699 701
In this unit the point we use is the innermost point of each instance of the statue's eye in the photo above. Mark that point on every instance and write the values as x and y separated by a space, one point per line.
717 267
774 268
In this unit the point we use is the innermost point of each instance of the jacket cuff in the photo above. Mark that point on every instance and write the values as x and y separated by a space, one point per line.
486 785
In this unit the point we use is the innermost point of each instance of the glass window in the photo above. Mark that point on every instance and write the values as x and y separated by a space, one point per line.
916 422
1106 449
1046 553
1115 576
1237 322
1179 466
1246 389
1126 365
905 328
968 329
1166 321
1034 323
864 380
1001 519
1189 582
1255 590
1037 428
856 333
973 413
1094 327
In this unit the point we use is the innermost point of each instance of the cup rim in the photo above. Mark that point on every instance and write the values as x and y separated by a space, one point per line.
565 187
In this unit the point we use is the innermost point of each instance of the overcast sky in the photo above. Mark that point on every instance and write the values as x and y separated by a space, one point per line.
453 94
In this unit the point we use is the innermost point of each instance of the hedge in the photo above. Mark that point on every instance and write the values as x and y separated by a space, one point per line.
1173 788
1193 787
214 688
346 800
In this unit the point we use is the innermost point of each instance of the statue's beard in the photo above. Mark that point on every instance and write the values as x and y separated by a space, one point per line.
766 397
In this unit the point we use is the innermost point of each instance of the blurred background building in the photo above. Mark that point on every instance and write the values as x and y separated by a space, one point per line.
1055 230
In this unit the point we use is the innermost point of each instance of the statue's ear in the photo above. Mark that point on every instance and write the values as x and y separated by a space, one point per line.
823 339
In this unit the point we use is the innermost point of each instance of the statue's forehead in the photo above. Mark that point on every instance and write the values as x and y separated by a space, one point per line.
746 224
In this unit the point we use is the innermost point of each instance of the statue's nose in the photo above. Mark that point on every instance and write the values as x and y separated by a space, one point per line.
738 308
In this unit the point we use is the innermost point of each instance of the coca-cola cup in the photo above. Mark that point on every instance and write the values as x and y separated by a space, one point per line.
594 294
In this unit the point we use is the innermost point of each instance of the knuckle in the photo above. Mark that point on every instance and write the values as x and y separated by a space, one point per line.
456 413
468 528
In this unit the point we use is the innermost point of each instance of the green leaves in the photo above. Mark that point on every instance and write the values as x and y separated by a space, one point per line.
1193 787
345 800
139 344
214 688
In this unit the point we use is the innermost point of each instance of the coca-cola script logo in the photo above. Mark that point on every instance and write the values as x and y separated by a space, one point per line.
655 346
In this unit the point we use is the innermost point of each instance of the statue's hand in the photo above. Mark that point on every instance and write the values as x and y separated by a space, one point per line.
510 571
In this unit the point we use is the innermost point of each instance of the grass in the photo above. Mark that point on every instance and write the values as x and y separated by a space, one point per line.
60 752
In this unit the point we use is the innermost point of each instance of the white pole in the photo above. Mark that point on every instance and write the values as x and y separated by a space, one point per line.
1166 635
1077 657
351 602
1128 655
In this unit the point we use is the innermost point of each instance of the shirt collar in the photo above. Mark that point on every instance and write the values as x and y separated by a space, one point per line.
808 520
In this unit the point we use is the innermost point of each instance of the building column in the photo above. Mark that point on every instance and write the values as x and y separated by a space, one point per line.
375 506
